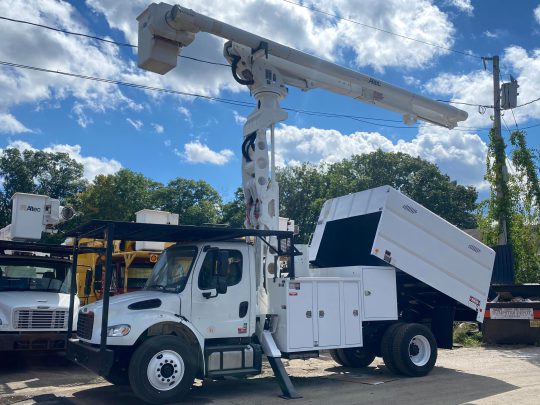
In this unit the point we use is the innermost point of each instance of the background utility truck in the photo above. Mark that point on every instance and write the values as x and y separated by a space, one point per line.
132 261
34 278
389 278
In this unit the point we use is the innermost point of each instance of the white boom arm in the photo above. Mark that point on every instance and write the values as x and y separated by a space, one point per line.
164 30
267 67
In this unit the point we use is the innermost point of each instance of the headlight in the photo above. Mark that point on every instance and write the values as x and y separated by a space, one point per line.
118 330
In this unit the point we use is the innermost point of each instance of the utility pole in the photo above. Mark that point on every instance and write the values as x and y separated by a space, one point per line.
503 235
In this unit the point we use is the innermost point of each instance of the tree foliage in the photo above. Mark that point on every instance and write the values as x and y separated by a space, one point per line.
303 189
116 196
53 174
196 202
234 212
519 203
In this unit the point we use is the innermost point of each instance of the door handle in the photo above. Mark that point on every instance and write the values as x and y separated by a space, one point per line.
242 310
321 314
367 293
308 314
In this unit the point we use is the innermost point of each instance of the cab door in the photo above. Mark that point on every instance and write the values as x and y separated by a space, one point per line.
222 315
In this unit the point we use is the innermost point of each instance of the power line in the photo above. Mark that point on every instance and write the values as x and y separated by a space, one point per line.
109 41
125 44
528 102
464 103
362 119
382 30
238 103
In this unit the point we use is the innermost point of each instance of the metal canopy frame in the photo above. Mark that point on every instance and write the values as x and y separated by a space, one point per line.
118 230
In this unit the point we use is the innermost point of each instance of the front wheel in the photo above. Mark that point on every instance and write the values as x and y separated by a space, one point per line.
162 370
414 349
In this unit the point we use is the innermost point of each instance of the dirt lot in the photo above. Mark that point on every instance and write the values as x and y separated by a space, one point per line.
476 375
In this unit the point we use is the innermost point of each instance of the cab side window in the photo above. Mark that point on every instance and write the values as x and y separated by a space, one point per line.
207 275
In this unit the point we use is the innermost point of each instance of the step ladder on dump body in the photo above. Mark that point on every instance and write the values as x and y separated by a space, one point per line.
382 226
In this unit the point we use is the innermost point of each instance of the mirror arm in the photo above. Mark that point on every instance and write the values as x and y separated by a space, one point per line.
209 295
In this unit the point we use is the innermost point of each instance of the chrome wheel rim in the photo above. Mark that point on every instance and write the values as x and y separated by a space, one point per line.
165 370
419 350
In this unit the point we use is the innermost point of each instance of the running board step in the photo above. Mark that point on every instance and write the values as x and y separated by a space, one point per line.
284 381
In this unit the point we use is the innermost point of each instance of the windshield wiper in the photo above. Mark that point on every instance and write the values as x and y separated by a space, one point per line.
161 287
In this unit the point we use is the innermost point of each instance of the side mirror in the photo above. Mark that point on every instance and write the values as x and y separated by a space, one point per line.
98 274
87 283
222 271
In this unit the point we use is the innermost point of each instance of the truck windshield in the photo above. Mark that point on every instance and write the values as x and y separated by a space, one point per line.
171 271
31 275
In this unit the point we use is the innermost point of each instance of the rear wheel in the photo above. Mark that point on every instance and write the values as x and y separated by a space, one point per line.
387 344
414 349
162 369
335 356
356 357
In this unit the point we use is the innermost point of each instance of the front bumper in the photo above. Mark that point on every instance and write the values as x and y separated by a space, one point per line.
32 341
90 356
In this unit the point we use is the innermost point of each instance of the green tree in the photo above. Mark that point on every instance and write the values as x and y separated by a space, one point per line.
303 189
519 203
53 174
196 202
302 192
117 196
234 212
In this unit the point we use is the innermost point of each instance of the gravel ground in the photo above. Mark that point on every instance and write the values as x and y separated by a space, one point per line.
492 375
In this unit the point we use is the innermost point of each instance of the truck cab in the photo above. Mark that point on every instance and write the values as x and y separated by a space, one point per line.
34 302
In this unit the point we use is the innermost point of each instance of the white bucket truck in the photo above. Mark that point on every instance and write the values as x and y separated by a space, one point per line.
388 278
34 278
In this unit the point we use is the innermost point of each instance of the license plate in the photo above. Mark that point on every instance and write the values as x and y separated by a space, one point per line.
511 313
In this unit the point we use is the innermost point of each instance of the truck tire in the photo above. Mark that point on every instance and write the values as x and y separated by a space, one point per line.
118 377
387 344
356 357
335 356
414 349
162 369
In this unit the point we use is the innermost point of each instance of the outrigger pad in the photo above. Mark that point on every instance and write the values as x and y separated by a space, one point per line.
284 381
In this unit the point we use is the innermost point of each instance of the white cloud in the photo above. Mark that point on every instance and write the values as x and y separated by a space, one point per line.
537 14
35 46
312 32
196 152
239 119
491 34
462 5
301 28
137 124
92 165
477 87
186 114
10 125
412 81
461 155
158 129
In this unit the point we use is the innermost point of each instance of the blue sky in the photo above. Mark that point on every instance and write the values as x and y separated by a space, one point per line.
106 127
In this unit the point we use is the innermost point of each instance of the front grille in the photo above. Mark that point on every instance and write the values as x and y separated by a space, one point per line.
40 319
85 324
